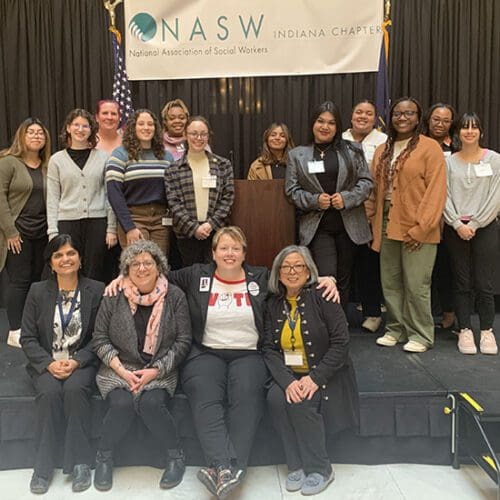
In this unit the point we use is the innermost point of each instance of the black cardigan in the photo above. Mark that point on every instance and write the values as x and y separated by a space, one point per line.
326 343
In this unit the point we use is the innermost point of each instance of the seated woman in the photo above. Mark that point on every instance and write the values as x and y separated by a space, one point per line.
271 164
224 373
306 349
56 330
141 335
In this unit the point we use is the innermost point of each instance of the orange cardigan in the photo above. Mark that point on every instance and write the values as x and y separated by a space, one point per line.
418 196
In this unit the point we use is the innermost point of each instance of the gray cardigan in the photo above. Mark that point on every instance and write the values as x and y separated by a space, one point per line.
74 194
303 190
115 335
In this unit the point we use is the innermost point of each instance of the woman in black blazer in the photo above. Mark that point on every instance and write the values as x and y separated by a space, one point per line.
57 326
306 349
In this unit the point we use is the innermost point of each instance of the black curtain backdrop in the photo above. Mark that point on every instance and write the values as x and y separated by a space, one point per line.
56 55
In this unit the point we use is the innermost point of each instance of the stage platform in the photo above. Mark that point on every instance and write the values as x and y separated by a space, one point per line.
402 399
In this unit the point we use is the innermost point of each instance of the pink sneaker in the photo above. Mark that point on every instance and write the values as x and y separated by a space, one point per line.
488 344
466 344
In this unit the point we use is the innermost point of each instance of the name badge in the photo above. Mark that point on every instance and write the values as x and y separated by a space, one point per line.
167 221
204 284
209 181
483 170
293 358
316 167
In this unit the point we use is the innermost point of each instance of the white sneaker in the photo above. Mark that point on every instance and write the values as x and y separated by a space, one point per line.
466 344
488 344
386 340
13 338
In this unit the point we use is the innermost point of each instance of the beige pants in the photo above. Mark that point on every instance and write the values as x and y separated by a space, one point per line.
148 219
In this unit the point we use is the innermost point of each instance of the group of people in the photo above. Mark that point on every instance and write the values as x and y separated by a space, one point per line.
217 325
231 334
391 203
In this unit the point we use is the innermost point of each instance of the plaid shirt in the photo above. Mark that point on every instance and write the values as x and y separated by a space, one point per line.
181 199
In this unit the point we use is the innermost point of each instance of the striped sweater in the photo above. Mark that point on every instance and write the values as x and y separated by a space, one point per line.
135 182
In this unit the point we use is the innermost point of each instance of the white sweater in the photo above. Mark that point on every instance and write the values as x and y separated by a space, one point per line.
74 194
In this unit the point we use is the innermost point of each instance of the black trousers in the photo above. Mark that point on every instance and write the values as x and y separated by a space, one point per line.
473 264
225 390
302 431
23 269
368 279
442 280
63 418
90 236
333 252
151 407
193 251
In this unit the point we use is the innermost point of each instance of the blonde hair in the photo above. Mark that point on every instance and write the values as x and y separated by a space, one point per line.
233 232
176 103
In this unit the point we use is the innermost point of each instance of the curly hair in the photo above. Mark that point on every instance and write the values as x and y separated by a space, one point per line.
385 169
65 136
267 156
132 144
18 146
176 103
141 246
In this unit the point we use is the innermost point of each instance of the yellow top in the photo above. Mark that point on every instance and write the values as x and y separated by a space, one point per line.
298 344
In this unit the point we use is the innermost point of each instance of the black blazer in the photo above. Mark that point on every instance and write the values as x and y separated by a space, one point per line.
189 279
326 343
37 327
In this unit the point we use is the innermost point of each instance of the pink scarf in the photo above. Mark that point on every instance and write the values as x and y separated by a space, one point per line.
156 297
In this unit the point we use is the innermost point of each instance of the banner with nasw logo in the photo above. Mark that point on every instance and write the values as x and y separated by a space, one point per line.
171 39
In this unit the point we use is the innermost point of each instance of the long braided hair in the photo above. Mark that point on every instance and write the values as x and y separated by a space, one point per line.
384 170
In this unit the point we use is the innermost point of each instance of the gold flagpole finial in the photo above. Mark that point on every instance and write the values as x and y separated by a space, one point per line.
387 10
110 6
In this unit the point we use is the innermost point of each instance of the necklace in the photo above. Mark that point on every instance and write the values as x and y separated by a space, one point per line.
322 152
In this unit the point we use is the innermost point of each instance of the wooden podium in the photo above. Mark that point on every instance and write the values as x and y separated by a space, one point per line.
267 218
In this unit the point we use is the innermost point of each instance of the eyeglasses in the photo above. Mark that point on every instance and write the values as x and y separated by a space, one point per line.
77 126
406 114
147 264
437 121
298 268
198 135
35 133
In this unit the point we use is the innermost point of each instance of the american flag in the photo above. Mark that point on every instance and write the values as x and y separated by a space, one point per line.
121 88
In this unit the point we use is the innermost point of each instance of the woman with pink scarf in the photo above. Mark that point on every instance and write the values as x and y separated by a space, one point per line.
141 335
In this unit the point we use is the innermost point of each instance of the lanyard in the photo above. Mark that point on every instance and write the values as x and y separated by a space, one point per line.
66 319
292 322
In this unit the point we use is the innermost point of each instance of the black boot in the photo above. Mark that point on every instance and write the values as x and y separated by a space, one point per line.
82 477
103 476
174 471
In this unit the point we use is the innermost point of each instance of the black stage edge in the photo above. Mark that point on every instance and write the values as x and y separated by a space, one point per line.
402 407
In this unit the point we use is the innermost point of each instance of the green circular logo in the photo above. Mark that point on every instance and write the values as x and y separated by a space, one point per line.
142 26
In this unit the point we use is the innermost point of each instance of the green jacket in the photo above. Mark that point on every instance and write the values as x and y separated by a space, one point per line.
15 189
